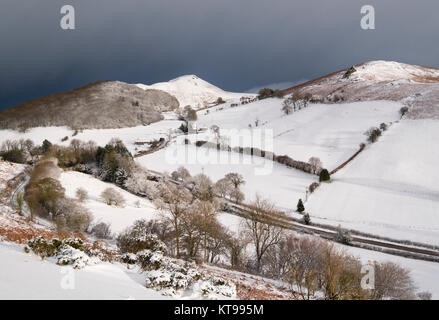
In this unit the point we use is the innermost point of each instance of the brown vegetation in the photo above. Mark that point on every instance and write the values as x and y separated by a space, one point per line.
106 104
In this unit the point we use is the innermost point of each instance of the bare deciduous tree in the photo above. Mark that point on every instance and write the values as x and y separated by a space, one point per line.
392 281
262 235
111 197
81 194
236 195
316 164
223 187
174 202
235 178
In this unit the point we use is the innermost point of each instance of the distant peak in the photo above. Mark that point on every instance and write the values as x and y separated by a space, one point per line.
186 77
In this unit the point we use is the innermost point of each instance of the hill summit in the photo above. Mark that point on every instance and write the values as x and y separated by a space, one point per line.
99 105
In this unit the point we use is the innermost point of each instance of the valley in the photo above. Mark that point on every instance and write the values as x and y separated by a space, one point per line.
387 196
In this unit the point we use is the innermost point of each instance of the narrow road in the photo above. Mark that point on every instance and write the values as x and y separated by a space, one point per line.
19 189
328 232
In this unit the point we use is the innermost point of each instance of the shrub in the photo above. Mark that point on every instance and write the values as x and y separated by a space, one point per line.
349 72
287 107
300 206
129 258
49 248
343 236
403 111
181 174
324 175
102 231
383 126
111 197
373 134
81 194
42 196
14 155
140 236
188 114
425 295
46 146
184 128
265 93
306 219
69 214
313 186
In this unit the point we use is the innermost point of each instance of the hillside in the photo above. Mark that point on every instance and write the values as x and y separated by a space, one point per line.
416 87
191 90
100 105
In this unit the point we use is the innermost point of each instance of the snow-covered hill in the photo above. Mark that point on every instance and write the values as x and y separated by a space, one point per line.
386 71
193 91
389 189
416 87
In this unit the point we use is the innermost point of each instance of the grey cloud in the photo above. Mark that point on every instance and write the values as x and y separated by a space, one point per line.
235 44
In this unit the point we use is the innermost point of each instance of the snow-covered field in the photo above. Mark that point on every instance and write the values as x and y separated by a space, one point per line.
391 188
101 136
330 132
282 185
120 218
26 276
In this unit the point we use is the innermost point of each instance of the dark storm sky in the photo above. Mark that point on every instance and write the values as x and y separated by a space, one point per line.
235 44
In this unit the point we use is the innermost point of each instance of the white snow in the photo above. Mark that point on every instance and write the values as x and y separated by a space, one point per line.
101 136
330 132
391 188
280 184
119 218
380 71
193 91
26 276
8 171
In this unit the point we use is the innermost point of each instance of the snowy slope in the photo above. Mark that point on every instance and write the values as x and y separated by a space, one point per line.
8 171
101 136
386 71
24 276
330 132
391 188
282 185
191 90
119 218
